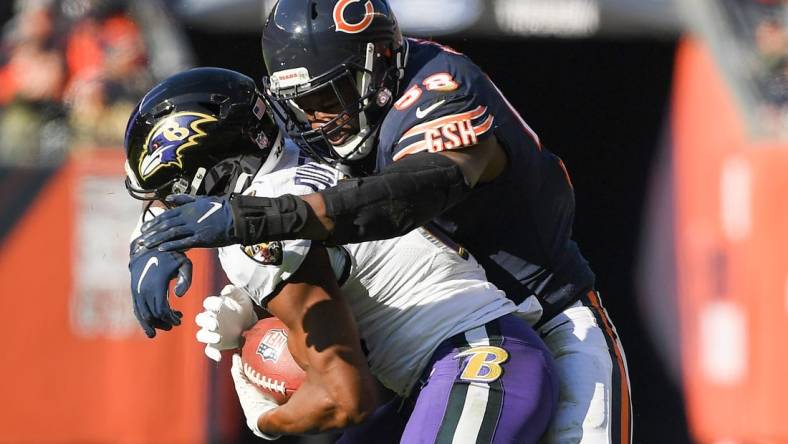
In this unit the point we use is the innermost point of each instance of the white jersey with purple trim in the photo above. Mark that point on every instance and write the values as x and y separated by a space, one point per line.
407 294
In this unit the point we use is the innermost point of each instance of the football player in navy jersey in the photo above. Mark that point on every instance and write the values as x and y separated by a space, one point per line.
432 140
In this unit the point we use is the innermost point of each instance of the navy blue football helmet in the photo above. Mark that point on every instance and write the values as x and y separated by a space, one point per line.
197 132
333 71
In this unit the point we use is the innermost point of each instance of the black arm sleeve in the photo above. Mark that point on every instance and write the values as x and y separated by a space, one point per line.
404 196
265 219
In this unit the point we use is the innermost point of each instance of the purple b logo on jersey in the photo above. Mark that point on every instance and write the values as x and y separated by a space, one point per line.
169 138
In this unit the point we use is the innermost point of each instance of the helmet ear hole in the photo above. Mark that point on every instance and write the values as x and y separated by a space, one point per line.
162 110
219 98
213 107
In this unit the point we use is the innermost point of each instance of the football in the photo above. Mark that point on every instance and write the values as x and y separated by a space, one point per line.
267 362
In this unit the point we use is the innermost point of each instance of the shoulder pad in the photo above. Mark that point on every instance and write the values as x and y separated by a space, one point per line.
261 269
448 103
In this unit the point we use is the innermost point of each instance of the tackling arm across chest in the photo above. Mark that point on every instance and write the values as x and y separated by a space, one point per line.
408 193
404 196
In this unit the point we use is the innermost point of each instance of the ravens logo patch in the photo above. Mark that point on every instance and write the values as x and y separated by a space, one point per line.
268 253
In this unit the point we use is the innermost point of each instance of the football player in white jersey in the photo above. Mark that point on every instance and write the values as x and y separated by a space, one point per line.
436 332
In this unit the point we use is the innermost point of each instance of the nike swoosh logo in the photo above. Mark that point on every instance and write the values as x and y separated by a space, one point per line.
422 114
215 206
154 261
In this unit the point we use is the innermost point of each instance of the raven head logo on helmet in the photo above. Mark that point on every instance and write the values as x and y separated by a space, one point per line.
198 131
334 67
169 138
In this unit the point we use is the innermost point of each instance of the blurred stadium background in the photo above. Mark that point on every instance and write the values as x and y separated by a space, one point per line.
671 116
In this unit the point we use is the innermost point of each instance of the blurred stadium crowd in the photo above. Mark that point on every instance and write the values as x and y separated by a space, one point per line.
759 29
71 71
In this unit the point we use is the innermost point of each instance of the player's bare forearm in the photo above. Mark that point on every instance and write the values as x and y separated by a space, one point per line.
339 390
318 205
479 163
320 405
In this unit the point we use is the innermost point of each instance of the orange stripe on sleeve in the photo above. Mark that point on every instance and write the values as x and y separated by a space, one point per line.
411 149
418 129
485 126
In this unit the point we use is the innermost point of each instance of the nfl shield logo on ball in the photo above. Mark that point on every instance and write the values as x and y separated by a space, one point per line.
272 344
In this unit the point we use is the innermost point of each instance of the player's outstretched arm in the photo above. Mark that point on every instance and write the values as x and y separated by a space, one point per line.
408 193
205 222
339 390
403 196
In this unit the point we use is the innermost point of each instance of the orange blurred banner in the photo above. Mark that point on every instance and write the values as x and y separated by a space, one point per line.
732 260
76 367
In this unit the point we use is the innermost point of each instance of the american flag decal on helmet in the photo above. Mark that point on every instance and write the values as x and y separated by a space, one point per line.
259 109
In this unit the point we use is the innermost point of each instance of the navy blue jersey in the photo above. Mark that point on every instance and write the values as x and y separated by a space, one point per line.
519 226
